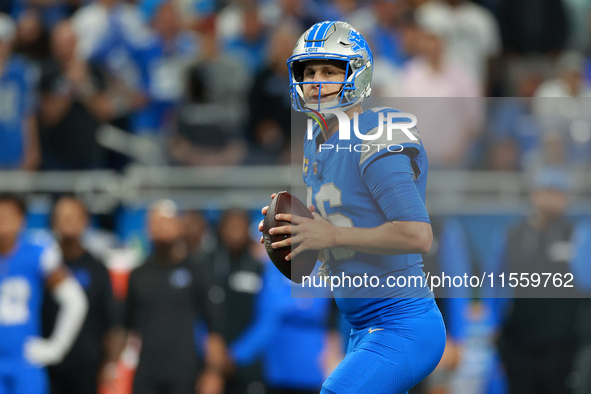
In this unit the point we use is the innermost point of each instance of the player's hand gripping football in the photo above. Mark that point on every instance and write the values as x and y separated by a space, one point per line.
310 234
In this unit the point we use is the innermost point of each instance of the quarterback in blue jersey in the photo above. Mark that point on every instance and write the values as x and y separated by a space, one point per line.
367 191
25 267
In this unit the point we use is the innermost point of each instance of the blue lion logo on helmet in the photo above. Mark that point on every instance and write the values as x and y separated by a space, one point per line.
359 43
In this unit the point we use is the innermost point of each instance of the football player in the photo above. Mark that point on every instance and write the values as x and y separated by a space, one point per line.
25 268
369 215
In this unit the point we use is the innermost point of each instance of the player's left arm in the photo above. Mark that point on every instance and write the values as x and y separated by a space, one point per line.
407 229
73 306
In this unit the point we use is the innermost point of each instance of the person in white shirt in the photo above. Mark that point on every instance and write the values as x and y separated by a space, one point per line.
472 32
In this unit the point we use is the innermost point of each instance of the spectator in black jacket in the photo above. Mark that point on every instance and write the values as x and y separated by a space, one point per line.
91 360
538 341
74 103
166 297
269 130
237 274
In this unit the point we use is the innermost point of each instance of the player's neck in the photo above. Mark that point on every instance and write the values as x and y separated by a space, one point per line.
7 245
333 123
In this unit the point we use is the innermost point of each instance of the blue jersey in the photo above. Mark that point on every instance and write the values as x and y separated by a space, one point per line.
340 184
22 281
15 106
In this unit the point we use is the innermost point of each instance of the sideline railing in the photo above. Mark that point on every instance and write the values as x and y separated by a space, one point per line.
448 191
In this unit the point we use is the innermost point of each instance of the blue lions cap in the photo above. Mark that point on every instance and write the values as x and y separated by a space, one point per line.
551 178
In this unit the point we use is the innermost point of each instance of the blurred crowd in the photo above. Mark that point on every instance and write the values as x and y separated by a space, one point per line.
202 309
202 312
100 84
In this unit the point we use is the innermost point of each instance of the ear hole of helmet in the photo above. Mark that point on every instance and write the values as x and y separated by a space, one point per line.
298 71
356 64
363 80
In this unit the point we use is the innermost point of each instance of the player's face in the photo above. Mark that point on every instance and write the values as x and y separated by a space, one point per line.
69 219
322 71
11 221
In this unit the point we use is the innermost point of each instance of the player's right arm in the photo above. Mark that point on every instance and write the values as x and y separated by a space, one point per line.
73 306
407 230
390 238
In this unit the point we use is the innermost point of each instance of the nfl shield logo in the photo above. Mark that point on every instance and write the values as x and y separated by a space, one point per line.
315 168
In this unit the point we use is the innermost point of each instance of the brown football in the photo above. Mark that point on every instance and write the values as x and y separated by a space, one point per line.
304 263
